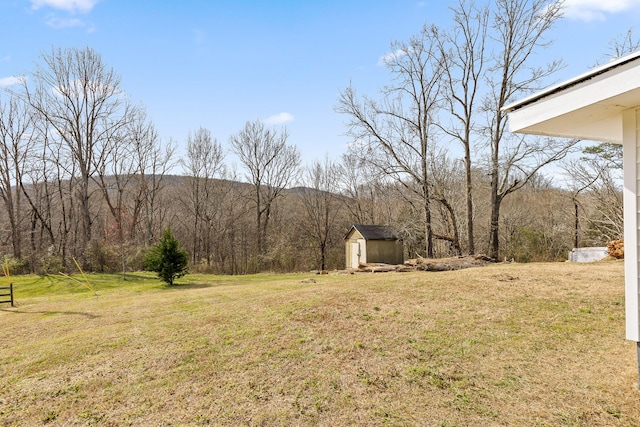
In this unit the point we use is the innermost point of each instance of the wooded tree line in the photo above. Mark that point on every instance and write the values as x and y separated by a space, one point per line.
84 174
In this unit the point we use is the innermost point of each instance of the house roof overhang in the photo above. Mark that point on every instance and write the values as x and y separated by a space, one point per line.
588 106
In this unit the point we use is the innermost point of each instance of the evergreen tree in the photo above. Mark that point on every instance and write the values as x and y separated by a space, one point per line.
167 259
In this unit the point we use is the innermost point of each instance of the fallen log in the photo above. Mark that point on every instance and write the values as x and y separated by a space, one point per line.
428 264
375 268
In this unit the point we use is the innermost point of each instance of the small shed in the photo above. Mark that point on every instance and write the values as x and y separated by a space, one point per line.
373 244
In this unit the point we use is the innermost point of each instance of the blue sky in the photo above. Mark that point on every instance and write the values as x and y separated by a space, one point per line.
218 64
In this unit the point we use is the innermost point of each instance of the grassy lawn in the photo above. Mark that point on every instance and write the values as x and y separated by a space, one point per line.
504 345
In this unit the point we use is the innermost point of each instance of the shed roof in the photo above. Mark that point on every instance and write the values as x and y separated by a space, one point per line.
588 106
375 232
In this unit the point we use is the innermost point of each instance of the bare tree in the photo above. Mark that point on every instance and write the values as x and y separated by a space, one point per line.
444 182
270 165
579 185
322 205
117 176
15 147
398 129
80 98
50 192
36 187
518 29
622 45
154 162
463 53
204 164
595 180
358 183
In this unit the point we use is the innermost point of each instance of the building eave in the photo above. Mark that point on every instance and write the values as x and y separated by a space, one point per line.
588 106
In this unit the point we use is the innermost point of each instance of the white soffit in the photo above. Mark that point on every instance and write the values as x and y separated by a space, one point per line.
587 107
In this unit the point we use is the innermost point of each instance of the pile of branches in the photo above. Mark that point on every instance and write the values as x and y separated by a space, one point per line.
427 264
616 248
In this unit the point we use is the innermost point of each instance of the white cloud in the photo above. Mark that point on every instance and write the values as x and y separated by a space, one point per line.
73 6
10 81
391 56
596 10
58 23
279 119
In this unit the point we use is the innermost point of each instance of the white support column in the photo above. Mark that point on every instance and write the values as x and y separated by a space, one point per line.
631 160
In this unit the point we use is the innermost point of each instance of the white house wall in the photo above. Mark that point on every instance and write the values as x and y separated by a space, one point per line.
631 147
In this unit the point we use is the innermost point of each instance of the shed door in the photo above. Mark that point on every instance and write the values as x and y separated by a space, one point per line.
355 254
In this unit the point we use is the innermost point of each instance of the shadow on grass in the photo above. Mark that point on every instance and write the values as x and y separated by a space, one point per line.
51 313
138 276
182 286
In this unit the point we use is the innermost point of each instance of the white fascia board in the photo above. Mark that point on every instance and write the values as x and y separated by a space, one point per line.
574 81
591 109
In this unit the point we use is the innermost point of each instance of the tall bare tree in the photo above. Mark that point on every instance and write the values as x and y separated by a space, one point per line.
517 30
118 174
463 53
15 146
204 164
154 161
48 185
80 98
398 129
270 166
322 205
37 188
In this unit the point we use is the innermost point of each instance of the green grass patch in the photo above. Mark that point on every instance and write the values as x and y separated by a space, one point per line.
452 348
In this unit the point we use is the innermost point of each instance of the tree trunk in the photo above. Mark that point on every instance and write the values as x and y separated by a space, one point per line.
467 163
455 240
323 251
428 228
576 224
494 227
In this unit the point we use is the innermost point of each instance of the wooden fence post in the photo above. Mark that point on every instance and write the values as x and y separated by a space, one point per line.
3 289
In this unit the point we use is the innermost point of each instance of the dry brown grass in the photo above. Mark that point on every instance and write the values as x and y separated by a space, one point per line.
504 345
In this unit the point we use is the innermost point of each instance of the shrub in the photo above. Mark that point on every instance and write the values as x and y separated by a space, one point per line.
167 259
50 264
101 257
16 265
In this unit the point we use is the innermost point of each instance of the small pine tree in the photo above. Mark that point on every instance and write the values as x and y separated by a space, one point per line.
167 259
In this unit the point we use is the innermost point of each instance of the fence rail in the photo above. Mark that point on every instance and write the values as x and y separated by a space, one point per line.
6 294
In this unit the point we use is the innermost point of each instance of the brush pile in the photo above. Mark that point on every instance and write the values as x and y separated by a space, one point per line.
616 249
428 264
